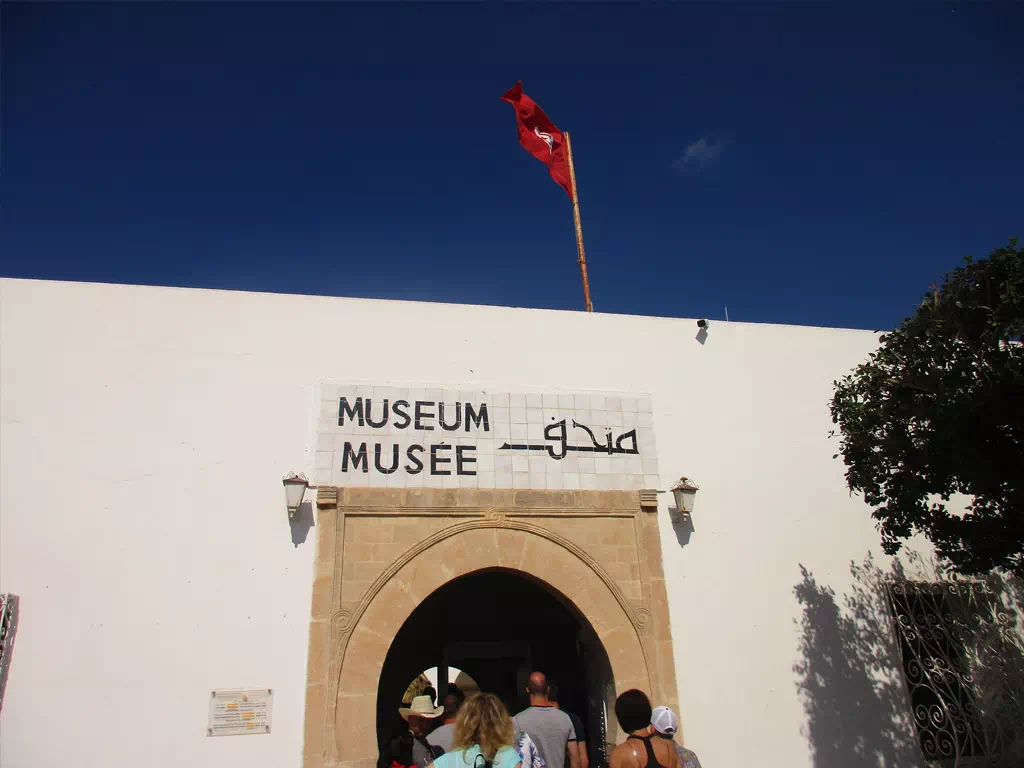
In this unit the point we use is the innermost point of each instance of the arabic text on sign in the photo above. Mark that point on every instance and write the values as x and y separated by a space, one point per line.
558 433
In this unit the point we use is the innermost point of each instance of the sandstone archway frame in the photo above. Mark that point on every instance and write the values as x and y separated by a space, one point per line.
382 551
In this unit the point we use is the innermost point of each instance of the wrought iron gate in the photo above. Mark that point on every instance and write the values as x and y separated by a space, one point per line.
963 663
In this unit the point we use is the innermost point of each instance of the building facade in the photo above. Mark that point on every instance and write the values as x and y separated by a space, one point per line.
485 494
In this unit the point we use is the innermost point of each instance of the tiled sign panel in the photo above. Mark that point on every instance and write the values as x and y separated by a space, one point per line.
413 437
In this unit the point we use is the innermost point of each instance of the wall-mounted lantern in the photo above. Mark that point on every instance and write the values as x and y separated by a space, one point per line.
685 492
294 489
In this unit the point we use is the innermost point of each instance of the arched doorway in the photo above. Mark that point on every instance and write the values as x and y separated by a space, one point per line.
382 553
498 625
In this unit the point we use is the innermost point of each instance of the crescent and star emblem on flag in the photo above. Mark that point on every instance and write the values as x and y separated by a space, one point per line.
547 138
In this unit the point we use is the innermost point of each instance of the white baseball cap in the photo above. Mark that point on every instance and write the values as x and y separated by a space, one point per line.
664 721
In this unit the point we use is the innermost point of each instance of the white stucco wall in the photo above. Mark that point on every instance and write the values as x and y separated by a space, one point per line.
145 432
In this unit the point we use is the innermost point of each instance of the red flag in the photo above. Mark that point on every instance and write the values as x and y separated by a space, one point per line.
539 136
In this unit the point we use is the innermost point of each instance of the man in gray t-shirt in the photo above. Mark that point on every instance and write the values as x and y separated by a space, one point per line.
550 728
442 736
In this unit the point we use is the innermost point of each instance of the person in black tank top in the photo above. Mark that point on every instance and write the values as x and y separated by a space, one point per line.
633 711
652 759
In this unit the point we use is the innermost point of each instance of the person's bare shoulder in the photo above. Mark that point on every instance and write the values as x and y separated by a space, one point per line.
622 757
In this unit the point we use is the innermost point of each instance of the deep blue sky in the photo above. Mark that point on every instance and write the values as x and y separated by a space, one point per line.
841 157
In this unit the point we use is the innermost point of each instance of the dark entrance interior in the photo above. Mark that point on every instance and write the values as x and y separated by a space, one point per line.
498 626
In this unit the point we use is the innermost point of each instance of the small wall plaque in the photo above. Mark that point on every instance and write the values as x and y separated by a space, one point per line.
240 713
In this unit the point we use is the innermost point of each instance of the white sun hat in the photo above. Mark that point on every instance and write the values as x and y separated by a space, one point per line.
664 721
422 706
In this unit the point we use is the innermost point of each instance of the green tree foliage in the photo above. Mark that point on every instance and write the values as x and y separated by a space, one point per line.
938 410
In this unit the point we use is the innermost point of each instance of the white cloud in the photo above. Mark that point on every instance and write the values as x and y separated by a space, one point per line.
699 156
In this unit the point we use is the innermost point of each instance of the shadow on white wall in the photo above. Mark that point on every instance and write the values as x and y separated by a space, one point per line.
682 525
301 523
849 677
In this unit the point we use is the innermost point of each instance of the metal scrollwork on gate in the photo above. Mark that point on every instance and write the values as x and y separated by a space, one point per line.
963 662
8 628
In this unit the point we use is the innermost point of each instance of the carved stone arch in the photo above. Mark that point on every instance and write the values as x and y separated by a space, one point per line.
343 621
548 545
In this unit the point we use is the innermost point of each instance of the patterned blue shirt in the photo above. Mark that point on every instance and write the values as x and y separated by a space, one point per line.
687 758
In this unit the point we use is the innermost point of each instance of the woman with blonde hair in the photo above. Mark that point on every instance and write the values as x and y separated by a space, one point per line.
483 737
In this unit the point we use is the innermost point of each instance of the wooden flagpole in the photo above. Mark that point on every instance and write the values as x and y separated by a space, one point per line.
581 254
